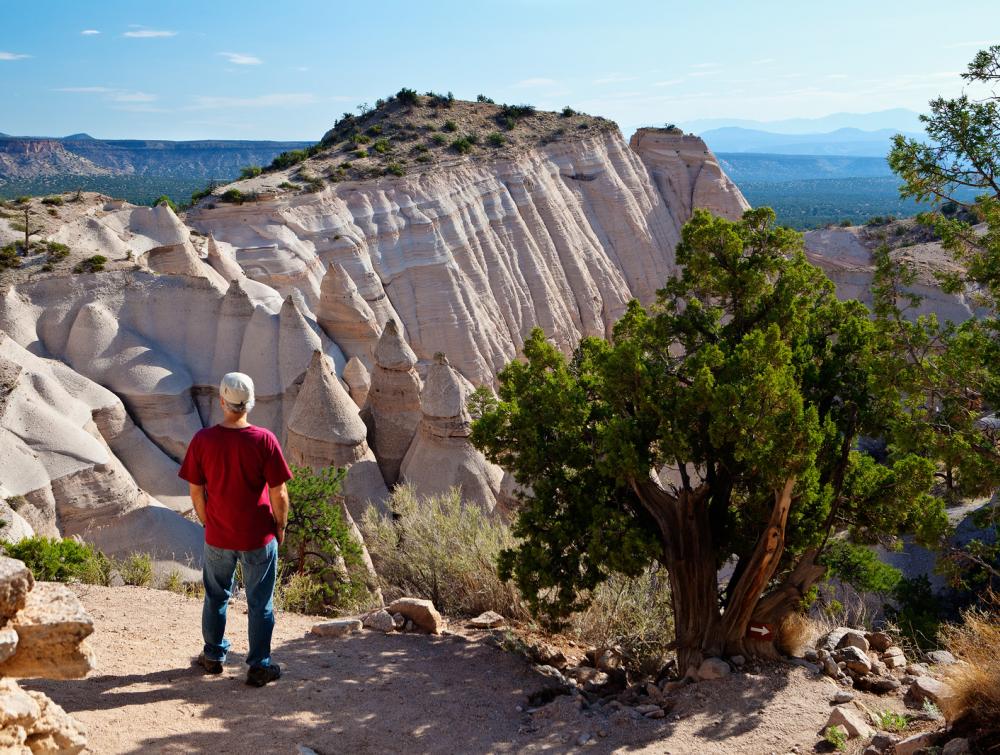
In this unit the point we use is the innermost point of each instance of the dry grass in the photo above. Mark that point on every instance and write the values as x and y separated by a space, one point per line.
797 632
975 684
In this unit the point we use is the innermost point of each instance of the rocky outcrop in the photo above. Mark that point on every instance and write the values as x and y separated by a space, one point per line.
687 174
325 430
346 316
43 631
358 379
441 456
395 401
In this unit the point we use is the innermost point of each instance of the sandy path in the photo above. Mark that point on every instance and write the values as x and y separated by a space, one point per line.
373 693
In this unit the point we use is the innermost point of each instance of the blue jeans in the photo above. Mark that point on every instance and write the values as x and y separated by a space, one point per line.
260 568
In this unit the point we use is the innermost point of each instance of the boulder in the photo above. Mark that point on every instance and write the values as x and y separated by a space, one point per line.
379 621
421 612
486 620
337 627
547 654
8 643
713 668
916 743
854 639
941 657
884 741
957 746
852 720
590 677
842 696
831 640
50 636
855 658
17 707
55 731
16 582
926 688
880 685
879 641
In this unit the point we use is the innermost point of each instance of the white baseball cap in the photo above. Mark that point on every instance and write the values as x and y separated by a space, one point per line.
236 390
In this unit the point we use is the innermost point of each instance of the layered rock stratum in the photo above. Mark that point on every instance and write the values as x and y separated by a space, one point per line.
333 283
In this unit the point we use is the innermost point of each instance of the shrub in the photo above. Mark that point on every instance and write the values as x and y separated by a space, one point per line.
516 111
300 593
288 159
836 737
407 96
507 122
375 130
462 145
312 184
395 169
93 264
450 126
318 542
918 611
206 192
164 199
439 139
860 567
424 158
381 146
53 200
568 112
288 185
484 98
975 684
438 548
60 560
473 137
233 195
889 720
360 153
137 570
360 139
56 251
9 257
251 171
496 139
175 583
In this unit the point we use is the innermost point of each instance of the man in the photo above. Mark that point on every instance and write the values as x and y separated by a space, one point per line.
237 476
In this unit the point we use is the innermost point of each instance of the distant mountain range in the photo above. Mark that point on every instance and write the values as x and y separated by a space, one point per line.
81 155
895 119
844 141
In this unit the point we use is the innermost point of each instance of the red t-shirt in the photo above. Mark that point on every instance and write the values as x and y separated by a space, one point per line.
236 466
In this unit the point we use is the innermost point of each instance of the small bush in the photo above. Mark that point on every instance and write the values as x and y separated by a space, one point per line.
288 185
918 611
794 634
507 122
888 720
137 570
93 264
375 130
56 252
407 96
473 137
9 258
206 192
462 145
60 560
164 199
300 593
975 684
516 112
312 184
836 737
381 146
424 159
395 169
568 112
288 159
360 153
360 139
438 548
450 126
496 139
175 583
53 200
251 171
439 139
233 195
484 98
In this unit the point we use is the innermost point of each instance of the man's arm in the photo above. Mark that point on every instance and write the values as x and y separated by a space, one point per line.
198 499
279 506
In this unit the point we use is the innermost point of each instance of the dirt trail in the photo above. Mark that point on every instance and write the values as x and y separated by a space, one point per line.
373 693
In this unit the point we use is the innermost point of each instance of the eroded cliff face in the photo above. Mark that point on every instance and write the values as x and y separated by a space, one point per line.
461 258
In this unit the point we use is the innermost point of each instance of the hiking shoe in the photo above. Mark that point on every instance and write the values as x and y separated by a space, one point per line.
258 676
209 666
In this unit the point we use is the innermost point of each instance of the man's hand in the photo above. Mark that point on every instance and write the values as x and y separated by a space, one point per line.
198 498
279 507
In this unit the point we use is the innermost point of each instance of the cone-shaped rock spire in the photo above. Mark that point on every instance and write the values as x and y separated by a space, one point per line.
394 399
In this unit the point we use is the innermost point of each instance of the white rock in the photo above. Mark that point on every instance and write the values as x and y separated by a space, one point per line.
379 621
713 668
337 627
852 720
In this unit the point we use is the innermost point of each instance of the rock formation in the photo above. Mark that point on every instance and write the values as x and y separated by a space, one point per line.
346 316
358 380
43 631
395 401
325 430
441 456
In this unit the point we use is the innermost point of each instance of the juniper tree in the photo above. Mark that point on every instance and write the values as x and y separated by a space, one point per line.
716 428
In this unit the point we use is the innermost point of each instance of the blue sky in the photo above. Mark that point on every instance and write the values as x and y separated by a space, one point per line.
254 69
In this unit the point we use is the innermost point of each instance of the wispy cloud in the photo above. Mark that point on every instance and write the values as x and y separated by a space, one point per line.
538 82
614 78
149 33
241 59
111 94
281 99
12 55
667 83
89 32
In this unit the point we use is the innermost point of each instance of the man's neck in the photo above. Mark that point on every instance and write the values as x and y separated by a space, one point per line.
235 424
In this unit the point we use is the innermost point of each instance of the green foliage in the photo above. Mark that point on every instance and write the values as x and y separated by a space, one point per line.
484 98
516 112
463 145
888 720
55 200
918 611
860 567
381 146
301 593
360 139
251 171
395 169
233 195
56 252
60 560
288 159
94 264
568 112
164 199
748 373
137 570
439 139
836 737
437 547
318 542
288 185
407 96
450 126
360 153
9 258
206 192
496 139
